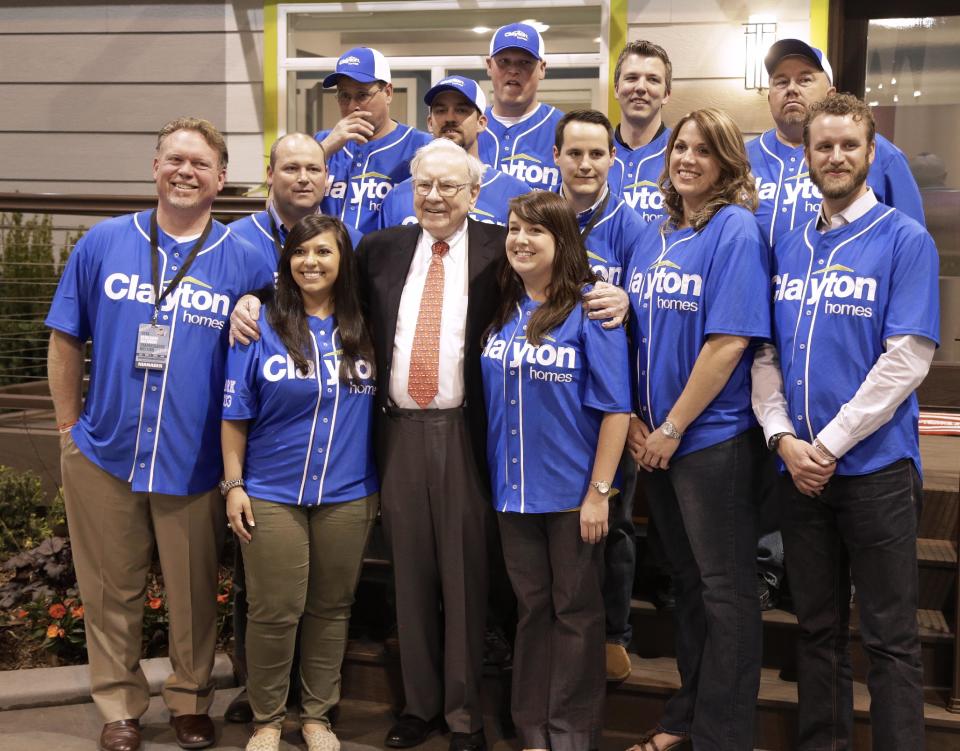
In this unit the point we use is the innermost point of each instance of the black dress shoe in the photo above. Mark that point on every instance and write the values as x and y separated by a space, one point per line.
411 731
239 709
468 741
193 730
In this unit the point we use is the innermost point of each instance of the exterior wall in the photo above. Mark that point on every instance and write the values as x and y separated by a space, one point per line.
84 86
704 39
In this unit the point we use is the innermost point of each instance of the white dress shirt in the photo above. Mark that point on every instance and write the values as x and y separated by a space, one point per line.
453 321
893 377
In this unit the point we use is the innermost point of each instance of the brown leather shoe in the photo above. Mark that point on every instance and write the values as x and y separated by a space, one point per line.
193 730
122 735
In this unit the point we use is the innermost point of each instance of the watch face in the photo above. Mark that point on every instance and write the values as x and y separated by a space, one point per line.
602 487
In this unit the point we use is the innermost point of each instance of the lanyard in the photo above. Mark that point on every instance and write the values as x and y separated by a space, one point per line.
275 234
158 297
585 232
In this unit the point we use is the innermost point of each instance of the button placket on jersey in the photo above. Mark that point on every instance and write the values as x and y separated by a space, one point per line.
324 424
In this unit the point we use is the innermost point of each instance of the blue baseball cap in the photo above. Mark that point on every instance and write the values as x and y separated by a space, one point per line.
363 64
796 48
520 36
466 86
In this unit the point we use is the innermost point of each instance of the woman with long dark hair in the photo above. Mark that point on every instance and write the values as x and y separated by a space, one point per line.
556 386
300 482
699 294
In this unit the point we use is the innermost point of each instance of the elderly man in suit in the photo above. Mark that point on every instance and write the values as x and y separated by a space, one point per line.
431 290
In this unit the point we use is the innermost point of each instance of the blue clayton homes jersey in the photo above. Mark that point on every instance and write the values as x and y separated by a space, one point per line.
610 242
524 150
837 297
496 190
361 175
789 199
635 173
683 287
545 405
310 439
255 229
157 430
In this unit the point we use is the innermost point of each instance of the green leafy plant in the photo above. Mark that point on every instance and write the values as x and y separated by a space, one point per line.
25 516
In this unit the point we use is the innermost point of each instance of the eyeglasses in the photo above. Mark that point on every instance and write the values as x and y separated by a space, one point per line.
446 190
361 98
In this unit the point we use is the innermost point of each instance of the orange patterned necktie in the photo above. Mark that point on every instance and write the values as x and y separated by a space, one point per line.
423 380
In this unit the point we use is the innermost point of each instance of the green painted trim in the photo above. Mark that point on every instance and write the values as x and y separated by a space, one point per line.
271 93
820 23
616 41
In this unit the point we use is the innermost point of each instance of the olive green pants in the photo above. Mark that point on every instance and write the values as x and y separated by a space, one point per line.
303 561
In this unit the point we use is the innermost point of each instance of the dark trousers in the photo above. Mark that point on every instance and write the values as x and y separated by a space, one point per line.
865 525
705 508
436 514
620 556
559 678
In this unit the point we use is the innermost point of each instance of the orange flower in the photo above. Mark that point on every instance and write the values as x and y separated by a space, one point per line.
155 603
61 633
21 613
52 631
77 612
57 610
223 598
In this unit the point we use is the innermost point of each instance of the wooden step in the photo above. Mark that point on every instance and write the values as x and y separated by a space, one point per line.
937 553
637 703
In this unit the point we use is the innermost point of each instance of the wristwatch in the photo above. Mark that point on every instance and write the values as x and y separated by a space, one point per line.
670 430
602 487
775 439
227 485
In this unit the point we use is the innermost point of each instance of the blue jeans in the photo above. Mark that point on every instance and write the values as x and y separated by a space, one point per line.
705 507
865 525
620 558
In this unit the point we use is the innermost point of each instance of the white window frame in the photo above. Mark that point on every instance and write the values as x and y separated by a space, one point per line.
437 64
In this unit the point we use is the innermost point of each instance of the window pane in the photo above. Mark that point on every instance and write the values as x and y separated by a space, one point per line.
437 32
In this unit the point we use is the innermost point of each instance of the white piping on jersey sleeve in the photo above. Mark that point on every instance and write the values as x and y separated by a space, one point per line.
894 376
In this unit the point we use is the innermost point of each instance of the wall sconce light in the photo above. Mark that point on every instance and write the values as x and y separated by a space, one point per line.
758 37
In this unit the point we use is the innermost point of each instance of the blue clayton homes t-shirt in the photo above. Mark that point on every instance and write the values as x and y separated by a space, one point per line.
310 439
257 230
545 405
684 286
496 190
635 173
789 199
159 430
523 150
837 297
361 175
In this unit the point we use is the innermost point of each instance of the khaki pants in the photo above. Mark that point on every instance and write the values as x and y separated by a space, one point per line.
303 561
112 533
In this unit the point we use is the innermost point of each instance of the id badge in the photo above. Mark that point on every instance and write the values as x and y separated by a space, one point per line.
153 346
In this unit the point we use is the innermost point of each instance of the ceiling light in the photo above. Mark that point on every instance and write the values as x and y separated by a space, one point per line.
896 98
874 103
893 81
480 29
541 27
868 89
916 93
597 40
879 85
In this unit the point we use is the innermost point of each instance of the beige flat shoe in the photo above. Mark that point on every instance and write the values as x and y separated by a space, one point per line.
320 738
266 739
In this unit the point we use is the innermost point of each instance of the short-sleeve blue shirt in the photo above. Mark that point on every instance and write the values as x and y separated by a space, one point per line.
635 173
310 439
789 199
837 297
256 230
496 190
362 174
684 286
545 405
159 430
523 150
